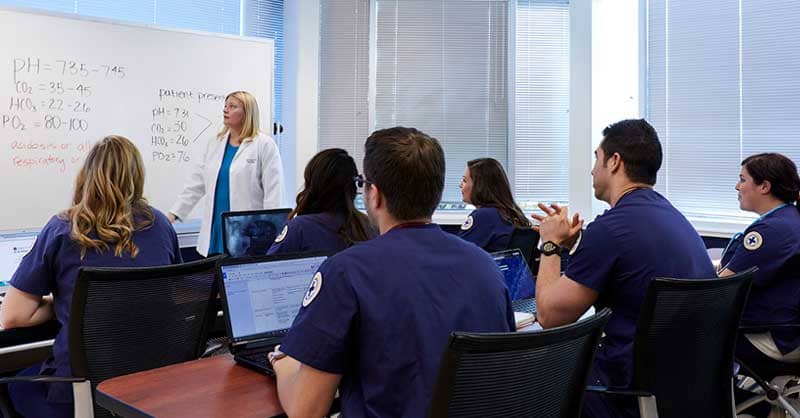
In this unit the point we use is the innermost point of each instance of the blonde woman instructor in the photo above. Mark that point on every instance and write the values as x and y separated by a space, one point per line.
240 170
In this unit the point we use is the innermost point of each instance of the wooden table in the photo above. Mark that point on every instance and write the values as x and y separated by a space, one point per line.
210 387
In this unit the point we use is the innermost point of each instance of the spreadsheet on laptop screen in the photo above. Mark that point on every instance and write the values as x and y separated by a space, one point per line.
263 297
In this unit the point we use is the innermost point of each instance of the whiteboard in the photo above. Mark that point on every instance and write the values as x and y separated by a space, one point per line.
67 82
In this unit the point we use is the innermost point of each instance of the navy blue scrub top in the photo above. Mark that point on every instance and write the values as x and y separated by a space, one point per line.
487 229
641 238
312 232
769 243
380 313
52 266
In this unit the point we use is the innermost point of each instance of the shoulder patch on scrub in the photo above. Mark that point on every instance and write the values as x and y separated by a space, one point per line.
313 289
467 223
753 241
283 233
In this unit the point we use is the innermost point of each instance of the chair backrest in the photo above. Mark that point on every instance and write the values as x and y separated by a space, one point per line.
126 320
517 374
685 341
526 239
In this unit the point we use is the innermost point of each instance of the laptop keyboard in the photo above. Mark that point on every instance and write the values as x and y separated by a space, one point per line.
258 357
524 305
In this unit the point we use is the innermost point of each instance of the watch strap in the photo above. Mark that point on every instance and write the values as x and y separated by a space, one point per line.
550 248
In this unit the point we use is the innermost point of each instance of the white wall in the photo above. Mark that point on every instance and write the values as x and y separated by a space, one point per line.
300 88
580 112
616 73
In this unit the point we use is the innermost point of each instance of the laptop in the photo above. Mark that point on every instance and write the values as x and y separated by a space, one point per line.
13 247
519 280
260 299
251 233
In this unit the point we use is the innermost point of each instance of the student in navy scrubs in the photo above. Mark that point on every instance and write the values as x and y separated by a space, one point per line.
769 186
325 217
485 186
377 316
109 224
641 237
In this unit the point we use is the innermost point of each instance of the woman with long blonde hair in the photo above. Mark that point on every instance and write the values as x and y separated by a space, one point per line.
109 224
240 170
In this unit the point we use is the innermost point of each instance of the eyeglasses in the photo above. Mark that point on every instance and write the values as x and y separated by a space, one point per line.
361 181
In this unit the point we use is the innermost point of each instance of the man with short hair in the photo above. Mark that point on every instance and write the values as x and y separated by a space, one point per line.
377 316
641 237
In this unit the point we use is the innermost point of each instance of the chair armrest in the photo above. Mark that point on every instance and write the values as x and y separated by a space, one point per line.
211 349
618 391
48 379
749 328
81 392
213 346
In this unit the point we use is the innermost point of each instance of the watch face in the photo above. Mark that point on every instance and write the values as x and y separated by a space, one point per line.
549 247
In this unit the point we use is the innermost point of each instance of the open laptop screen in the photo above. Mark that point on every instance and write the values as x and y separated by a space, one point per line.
518 277
251 233
12 248
263 297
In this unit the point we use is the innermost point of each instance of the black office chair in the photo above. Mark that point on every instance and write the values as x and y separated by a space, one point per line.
779 384
779 388
126 320
517 374
525 239
684 345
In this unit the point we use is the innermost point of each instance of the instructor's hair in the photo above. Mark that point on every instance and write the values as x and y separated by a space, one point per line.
250 128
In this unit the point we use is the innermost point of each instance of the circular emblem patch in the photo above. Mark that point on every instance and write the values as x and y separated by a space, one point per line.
467 223
282 235
753 241
313 289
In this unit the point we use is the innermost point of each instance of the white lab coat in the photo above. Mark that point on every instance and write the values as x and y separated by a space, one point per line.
256 180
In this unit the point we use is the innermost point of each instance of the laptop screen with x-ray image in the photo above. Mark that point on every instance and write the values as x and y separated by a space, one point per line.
251 233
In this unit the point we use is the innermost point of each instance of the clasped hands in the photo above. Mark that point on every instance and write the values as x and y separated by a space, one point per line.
557 226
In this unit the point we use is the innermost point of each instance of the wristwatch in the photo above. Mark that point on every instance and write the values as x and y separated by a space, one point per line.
550 248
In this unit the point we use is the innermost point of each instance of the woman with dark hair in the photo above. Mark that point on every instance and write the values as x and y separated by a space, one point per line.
325 217
486 186
109 224
769 186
